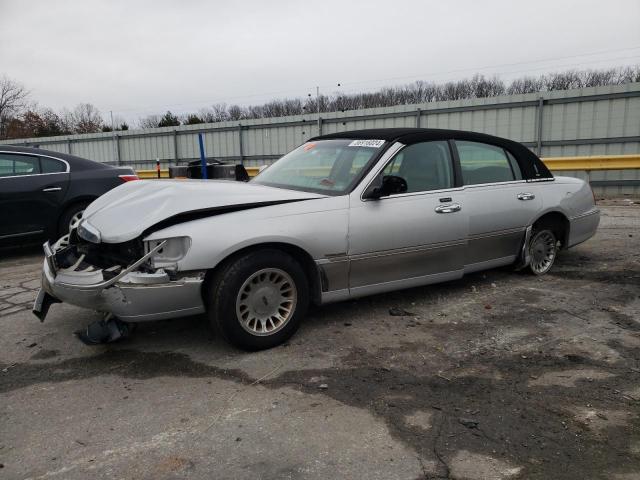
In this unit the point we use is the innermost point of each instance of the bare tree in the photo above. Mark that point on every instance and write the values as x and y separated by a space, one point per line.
85 118
216 113
525 85
13 98
236 112
477 86
150 121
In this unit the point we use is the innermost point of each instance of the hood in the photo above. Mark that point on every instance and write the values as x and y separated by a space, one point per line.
127 211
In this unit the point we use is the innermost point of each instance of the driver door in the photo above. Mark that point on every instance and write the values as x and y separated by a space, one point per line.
411 238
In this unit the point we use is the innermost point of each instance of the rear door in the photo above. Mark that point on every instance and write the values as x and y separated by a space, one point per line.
410 238
32 189
500 204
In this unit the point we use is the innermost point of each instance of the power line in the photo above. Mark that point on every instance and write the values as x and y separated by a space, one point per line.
290 93
475 69
512 72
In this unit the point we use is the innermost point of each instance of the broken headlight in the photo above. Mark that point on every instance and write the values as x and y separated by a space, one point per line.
88 232
168 256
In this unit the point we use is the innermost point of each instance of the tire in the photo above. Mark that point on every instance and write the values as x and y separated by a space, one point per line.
258 300
71 214
543 250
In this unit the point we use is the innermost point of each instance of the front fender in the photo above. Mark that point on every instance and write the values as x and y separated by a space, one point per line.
321 232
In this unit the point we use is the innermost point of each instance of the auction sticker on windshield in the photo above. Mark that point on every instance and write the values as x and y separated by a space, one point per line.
367 143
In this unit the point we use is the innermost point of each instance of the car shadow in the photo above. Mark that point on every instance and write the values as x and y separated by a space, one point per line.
19 252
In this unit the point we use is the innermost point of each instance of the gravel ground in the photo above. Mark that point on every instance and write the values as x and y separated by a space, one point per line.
500 375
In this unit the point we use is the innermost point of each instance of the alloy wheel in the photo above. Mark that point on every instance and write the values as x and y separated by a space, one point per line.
266 301
542 249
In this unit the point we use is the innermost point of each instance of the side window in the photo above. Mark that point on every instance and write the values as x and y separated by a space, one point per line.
425 166
13 165
515 166
483 163
50 165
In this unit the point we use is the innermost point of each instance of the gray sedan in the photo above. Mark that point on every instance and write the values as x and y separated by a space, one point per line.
342 216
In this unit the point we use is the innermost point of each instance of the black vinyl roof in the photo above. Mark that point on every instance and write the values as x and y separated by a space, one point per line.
415 135
531 166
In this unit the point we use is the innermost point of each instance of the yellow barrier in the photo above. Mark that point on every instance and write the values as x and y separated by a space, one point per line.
252 171
151 174
596 162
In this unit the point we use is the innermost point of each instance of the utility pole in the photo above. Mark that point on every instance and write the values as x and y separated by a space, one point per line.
318 109
114 142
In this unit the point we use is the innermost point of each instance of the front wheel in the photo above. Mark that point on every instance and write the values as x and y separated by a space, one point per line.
71 218
543 249
258 300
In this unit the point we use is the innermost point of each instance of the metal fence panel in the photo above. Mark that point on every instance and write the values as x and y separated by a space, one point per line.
589 121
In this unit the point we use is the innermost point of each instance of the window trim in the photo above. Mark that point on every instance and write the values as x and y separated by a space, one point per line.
37 155
454 172
66 165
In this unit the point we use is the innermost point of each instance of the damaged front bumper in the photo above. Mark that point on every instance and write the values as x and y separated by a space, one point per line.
131 295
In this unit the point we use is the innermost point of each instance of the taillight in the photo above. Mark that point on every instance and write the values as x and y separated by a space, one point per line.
128 178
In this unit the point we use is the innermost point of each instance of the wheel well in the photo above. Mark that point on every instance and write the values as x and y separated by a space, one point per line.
73 203
63 211
299 254
557 223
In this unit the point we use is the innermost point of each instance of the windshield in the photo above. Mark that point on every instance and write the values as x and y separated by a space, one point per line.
323 166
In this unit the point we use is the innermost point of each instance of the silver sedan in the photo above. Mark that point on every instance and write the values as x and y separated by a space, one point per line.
342 216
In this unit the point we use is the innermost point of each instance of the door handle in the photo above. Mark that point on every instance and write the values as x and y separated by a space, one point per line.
453 207
526 196
52 189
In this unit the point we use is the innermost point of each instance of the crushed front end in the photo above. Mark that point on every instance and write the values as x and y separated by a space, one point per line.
134 280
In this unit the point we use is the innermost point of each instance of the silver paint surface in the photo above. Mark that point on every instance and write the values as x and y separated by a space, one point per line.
359 246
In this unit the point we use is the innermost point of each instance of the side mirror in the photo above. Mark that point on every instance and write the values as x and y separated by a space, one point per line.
390 185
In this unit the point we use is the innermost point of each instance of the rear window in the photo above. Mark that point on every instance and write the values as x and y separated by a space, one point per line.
484 163
51 165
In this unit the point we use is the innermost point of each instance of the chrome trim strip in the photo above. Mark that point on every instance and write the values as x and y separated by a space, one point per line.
400 251
13 235
326 260
414 194
496 233
491 184
594 211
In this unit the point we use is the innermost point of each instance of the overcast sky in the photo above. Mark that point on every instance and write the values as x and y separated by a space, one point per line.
140 57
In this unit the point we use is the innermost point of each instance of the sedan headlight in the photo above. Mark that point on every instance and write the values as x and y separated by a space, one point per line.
88 232
174 250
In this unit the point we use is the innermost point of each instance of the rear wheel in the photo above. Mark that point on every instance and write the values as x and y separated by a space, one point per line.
543 249
258 300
